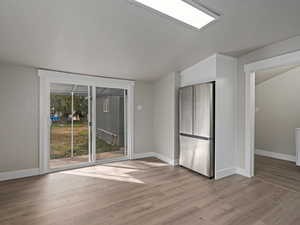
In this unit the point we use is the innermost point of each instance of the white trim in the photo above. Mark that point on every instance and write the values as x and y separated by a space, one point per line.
275 155
93 108
165 159
36 171
71 167
68 78
297 138
144 155
130 121
47 77
218 175
282 60
19 174
172 162
88 164
111 160
224 173
250 69
90 146
241 172
44 124
250 124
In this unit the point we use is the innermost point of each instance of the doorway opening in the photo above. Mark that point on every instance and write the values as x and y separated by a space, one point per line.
69 129
110 123
266 71
277 121
84 120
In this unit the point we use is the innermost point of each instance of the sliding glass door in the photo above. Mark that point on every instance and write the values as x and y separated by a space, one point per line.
83 120
69 126
110 123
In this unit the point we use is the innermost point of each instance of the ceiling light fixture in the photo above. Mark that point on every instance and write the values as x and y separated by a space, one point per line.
182 10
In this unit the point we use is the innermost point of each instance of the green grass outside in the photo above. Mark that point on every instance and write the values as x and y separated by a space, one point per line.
60 140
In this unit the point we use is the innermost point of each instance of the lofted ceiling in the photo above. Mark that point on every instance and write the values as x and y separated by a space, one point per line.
118 39
268 74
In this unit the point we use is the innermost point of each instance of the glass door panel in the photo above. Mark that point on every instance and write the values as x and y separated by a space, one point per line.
110 123
69 130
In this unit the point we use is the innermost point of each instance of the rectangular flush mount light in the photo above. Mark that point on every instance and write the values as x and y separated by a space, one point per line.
182 11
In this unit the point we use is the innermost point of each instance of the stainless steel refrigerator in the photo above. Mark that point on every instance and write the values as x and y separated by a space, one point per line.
196 128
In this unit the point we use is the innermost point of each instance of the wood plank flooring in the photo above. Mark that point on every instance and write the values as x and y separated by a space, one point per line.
149 192
279 172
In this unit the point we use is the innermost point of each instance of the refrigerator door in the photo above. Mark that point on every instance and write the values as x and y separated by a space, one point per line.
203 110
197 154
186 110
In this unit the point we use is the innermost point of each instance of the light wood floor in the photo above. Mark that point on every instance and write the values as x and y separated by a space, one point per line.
63 162
144 192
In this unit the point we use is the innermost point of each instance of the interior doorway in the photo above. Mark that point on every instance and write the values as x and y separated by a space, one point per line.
277 120
84 120
287 61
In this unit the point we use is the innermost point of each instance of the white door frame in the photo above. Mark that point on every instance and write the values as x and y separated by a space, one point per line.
250 69
47 77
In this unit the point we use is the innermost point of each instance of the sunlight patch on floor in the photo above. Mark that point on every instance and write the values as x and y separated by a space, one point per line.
107 172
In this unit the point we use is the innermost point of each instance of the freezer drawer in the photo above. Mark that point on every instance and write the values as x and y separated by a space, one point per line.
197 154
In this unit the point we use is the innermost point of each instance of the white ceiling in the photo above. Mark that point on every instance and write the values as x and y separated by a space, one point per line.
117 39
268 74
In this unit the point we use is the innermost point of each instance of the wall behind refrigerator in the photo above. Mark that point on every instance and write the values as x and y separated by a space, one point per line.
223 70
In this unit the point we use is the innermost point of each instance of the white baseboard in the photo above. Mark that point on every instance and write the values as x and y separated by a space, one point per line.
144 155
231 171
218 175
19 174
242 172
35 171
163 158
275 155
224 173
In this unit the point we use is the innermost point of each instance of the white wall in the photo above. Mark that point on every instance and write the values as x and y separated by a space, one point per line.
201 72
165 118
226 115
19 89
221 69
278 114
275 49
143 122
18 118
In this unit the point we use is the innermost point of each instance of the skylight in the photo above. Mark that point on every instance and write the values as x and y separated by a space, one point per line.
181 11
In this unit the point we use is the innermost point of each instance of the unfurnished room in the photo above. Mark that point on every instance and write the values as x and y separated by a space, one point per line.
277 122
130 112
